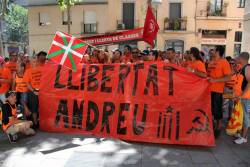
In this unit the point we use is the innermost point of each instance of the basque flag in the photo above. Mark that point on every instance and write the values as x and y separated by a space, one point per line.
67 50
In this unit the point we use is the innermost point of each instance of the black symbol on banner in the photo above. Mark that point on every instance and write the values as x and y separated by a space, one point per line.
162 124
171 79
170 112
198 125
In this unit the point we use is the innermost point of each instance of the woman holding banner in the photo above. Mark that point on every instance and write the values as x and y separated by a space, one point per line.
196 65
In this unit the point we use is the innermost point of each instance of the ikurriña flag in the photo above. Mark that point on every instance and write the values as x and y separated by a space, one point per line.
67 50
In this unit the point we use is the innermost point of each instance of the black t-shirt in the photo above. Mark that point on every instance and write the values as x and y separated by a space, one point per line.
6 113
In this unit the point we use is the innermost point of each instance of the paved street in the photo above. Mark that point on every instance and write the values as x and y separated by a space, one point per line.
60 150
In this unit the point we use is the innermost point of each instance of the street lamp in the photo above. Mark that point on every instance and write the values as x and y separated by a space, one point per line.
155 4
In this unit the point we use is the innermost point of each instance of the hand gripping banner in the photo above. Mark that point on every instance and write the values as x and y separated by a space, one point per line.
151 102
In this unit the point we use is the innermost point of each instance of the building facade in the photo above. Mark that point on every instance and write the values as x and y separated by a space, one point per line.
183 23
246 32
220 23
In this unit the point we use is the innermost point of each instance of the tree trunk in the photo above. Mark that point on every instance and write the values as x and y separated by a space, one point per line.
3 12
68 16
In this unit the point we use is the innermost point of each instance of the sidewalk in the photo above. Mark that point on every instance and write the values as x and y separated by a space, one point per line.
61 150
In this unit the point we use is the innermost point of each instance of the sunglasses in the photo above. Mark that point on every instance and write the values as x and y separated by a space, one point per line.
12 94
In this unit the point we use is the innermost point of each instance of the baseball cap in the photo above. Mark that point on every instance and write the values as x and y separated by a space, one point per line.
145 52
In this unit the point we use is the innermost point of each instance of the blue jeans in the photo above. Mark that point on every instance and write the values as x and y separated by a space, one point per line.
245 105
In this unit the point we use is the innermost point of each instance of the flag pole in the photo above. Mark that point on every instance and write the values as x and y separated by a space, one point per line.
150 3
92 46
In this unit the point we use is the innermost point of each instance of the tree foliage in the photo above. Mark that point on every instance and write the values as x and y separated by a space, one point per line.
64 4
67 4
17 24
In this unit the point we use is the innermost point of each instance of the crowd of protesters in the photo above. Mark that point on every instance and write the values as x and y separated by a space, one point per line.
19 86
225 74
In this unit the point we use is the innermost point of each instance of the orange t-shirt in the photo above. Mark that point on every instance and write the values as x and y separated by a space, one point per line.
126 58
27 66
159 59
5 74
33 76
93 60
186 63
11 66
230 84
238 79
198 66
218 69
21 85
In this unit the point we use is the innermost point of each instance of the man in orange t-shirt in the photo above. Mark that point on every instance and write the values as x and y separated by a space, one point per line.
5 80
171 56
187 59
219 72
147 56
91 58
32 78
127 57
135 54
245 96
12 63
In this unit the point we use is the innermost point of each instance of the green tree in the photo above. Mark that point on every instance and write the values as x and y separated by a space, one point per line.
4 4
17 24
66 5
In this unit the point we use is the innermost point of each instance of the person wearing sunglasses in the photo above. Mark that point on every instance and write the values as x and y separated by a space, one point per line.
11 124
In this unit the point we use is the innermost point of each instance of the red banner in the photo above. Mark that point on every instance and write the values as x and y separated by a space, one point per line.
156 103
116 37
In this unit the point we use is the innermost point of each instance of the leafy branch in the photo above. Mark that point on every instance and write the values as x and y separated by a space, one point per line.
64 4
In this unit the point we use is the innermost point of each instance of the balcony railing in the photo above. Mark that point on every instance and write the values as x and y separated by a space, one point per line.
217 11
221 13
206 9
127 24
89 28
179 24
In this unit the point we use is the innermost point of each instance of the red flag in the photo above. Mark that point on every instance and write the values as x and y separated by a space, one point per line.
67 50
150 27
